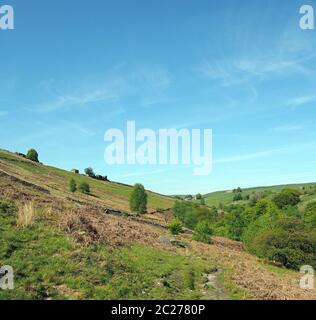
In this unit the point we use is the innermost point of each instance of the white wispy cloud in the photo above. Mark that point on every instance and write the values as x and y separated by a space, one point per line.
240 70
267 153
148 84
69 100
299 101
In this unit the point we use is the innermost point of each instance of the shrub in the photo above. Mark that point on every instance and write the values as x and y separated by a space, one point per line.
72 185
203 232
138 199
288 243
237 197
7 207
236 223
84 187
198 196
175 226
32 155
254 198
26 215
288 197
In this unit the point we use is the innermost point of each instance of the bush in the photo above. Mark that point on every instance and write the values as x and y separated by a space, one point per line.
288 243
203 232
254 198
288 197
138 199
198 196
7 207
236 223
175 226
32 155
237 197
84 188
72 185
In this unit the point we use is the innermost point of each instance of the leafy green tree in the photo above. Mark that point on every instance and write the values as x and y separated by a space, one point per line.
287 197
138 199
198 196
89 172
236 224
237 197
32 155
175 226
203 232
84 187
265 206
72 185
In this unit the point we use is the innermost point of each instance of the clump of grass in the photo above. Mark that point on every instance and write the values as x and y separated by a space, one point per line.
7 207
26 215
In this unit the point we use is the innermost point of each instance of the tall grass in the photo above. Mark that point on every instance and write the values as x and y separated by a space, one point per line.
26 215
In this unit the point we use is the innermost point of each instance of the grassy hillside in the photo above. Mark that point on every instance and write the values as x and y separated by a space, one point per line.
226 197
110 194
49 265
74 247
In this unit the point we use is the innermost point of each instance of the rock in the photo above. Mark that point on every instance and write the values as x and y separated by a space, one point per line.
177 243
164 240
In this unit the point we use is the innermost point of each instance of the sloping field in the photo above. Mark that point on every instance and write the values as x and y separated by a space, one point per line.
55 180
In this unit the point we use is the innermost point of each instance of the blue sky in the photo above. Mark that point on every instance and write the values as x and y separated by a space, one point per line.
73 69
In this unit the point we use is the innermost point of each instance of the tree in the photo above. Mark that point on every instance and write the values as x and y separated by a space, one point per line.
198 196
237 197
203 232
72 185
32 155
175 226
89 172
287 197
236 224
138 199
84 187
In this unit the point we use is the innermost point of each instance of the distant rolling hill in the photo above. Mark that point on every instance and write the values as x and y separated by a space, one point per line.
226 197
